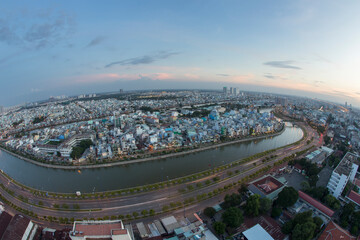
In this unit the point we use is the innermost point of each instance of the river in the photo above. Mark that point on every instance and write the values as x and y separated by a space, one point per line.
117 177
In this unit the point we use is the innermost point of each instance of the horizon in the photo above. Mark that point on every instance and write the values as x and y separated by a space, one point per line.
293 48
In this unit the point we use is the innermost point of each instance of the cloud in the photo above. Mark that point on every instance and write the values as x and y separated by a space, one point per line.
114 77
223 75
276 77
282 64
36 31
146 59
96 41
269 75
7 35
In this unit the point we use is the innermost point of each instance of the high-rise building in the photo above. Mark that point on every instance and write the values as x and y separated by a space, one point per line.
225 90
231 90
342 174
235 91
121 90
1 109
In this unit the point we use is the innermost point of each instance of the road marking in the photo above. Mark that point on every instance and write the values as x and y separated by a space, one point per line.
132 205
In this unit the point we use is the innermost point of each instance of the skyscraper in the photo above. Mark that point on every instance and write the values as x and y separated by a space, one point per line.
231 90
235 91
225 90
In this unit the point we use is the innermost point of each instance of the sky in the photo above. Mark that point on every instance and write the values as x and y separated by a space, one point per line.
306 48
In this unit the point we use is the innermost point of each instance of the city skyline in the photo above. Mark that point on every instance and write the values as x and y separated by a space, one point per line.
299 48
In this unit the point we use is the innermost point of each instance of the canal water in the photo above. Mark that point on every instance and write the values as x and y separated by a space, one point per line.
117 177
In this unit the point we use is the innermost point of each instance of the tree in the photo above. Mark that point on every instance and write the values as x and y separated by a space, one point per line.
65 206
332 202
219 227
233 217
327 140
135 214
313 180
252 207
231 200
304 231
304 185
152 212
144 212
303 217
209 212
302 226
318 221
276 212
243 189
354 230
287 197
79 150
265 205
318 192
287 227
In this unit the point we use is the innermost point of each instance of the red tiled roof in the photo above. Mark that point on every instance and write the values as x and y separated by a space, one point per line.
298 166
334 231
357 182
269 224
355 197
16 227
5 219
267 185
119 232
316 204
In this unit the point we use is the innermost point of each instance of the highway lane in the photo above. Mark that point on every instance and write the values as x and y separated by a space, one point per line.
150 200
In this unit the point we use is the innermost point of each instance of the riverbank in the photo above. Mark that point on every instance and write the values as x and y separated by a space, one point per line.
119 163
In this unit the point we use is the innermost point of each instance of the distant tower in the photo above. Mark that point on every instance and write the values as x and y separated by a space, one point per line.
346 104
235 91
231 90
225 90
121 90
1 109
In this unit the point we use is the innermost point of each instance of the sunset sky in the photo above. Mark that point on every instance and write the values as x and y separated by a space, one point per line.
306 48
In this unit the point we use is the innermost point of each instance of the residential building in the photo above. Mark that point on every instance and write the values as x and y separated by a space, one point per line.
255 233
354 197
267 223
109 229
334 231
343 173
317 208
19 228
267 186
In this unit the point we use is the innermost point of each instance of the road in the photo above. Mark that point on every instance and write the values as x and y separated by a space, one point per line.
150 200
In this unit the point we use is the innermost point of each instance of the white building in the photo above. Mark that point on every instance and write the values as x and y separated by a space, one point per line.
343 173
